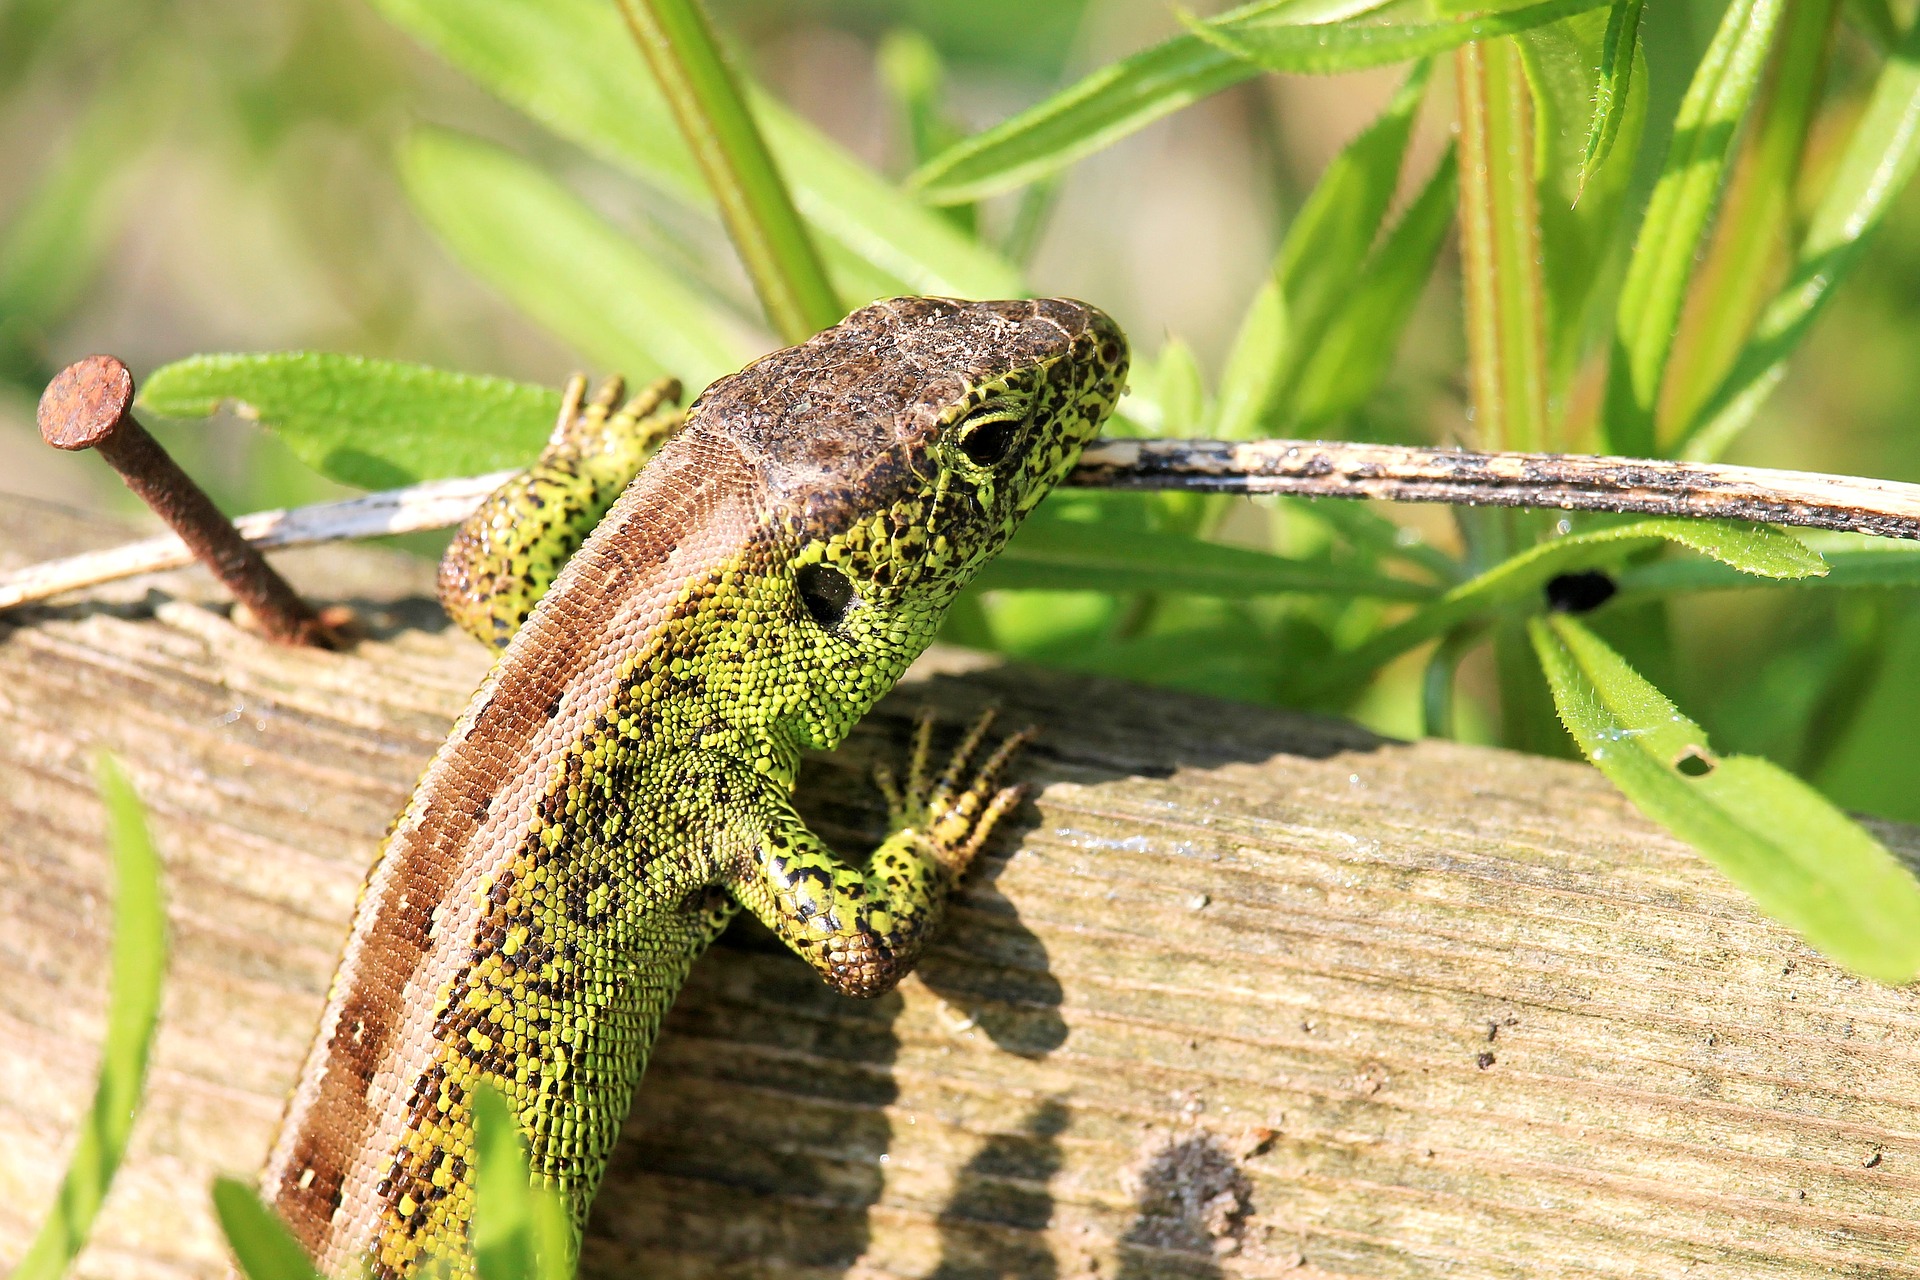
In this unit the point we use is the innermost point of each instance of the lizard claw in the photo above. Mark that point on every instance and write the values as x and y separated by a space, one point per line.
954 813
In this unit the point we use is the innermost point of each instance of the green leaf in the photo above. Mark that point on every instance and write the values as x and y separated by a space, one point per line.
562 264
1068 555
1852 560
1704 136
1372 41
755 206
1313 276
1619 50
1579 200
1874 19
1879 161
261 1243
911 68
139 963
1752 549
1306 36
1096 112
1803 861
1358 346
571 65
376 424
1755 227
521 1227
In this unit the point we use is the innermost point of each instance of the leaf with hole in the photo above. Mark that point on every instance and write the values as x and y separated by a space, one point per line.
1803 861
1520 579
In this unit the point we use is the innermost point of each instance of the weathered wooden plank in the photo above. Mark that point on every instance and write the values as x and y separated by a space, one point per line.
1245 994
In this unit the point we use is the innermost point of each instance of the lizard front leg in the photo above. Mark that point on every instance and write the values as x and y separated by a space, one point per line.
862 930
508 552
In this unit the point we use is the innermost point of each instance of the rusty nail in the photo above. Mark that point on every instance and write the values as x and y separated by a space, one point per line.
88 405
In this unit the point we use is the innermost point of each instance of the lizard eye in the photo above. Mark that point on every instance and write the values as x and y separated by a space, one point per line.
986 437
825 591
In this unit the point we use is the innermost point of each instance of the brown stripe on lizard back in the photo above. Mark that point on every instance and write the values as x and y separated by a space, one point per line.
693 505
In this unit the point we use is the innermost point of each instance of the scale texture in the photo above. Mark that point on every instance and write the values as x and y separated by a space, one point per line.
619 785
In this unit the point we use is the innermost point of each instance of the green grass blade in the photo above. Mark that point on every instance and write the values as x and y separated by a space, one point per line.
139 964
377 424
1619 50
562 264
915 77
1754 230
1874 19
1879 161
571 65
521 1228
1803 861
1500 250
759 213
1126 96
261 1243
1579 203
1518 581
1314 274
1067 555
878 222
1358 347
1107 105
1683 202
1369 41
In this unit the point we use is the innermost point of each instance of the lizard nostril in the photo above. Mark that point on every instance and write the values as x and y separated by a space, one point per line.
825 591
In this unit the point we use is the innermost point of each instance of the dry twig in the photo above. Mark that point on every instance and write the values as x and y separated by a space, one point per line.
1318 469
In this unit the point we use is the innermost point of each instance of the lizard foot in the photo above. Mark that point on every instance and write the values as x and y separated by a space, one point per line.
952 816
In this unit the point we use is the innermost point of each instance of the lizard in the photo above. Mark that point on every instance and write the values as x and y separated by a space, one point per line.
618 787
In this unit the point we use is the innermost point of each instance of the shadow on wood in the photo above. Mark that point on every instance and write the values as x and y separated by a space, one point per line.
1245 993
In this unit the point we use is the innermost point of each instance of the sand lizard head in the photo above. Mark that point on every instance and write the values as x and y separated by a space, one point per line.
901 449
903 446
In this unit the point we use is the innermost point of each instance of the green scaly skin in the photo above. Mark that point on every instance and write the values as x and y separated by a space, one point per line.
619 787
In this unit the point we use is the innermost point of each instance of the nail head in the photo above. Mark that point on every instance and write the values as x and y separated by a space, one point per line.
85 403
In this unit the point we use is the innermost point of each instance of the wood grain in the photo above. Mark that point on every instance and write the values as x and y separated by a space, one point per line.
1246 993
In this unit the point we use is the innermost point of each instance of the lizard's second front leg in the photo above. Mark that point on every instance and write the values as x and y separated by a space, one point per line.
863 930
508 552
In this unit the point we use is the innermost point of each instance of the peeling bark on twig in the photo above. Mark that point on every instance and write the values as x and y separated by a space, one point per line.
1302 468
